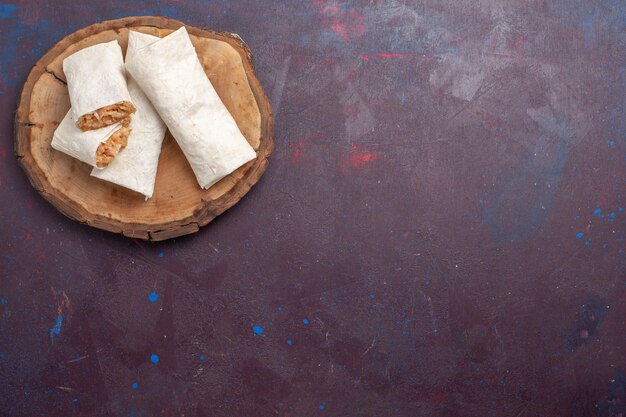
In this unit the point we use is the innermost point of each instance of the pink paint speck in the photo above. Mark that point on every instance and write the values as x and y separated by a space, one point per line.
298 152
296 155
330 10
359 160
389 55
519 41
358 157
347 25
341 30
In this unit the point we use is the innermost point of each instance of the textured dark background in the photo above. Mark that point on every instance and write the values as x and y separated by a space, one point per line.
439 233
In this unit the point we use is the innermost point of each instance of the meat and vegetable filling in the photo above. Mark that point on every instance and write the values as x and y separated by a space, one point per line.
106 116
113 145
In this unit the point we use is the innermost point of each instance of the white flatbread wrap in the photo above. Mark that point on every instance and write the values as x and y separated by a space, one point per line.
84 146
96 80
170 74
136 167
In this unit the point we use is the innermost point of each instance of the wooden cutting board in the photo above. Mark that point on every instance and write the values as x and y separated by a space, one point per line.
178 206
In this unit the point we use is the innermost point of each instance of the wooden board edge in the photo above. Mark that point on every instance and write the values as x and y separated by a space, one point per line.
153 232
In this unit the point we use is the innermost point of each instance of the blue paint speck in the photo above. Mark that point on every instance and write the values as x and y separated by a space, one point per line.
135 385
7 10
597 212
75 400
305 321
201 357
56 329
290 342
3 301
619 210
481 201
588 22
587 243
154 358
372 296
153 297
161 254
322 407
612 144
257 329
580 235
612 215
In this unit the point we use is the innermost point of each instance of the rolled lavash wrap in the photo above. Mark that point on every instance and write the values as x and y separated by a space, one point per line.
94 147
96 80
170 74
136 167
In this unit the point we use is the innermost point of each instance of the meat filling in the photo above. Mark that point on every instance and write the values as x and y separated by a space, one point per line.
113 145
106 116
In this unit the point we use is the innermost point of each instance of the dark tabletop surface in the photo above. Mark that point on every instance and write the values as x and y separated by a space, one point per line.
440 230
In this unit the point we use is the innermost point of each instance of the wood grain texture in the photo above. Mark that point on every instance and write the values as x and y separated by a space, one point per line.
178 206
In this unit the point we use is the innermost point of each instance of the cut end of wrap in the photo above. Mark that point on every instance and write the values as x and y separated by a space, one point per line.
113 145
106 116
